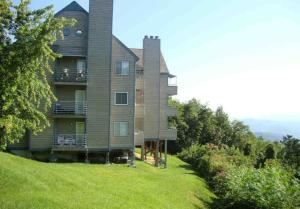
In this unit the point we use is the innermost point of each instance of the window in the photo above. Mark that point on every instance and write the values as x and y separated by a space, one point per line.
122 68
81 66
121 98
67 31
121 129
79 32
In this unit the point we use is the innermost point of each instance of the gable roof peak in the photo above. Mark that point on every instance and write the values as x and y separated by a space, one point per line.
73 6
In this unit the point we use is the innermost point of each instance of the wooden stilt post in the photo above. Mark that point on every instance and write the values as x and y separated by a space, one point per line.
107 159
87 156
156 154
143 152
166 152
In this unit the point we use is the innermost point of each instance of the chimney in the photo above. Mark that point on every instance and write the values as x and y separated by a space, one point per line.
99 73
152 77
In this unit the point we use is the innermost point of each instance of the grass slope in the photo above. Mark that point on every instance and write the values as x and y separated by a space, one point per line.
28 184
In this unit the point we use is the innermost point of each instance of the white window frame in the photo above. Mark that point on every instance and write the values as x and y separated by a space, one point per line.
116 98
119 134
122 72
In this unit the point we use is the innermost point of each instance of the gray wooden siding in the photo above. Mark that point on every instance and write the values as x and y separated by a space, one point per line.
43 140
152 87
122 84
99 66
73 44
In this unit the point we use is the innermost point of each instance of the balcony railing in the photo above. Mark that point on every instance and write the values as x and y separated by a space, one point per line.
70 108
70 140
70 75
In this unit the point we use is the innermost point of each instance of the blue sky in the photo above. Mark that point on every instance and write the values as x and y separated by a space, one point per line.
243 55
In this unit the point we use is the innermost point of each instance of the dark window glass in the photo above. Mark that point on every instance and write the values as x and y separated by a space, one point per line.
121 98
67 32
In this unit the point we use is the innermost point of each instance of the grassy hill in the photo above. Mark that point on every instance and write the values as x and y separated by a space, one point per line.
28 184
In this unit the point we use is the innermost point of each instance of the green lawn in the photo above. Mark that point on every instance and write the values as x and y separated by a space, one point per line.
27 184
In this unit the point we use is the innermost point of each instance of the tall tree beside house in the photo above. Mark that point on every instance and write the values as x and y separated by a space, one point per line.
26 37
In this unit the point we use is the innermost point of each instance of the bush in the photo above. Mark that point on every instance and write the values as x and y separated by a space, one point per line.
267 188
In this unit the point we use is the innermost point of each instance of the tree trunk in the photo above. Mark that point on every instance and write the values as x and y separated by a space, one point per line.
2 141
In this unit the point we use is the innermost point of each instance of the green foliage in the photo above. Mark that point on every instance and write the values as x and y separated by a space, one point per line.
197 123
291 151
25 57
270 152
210 160
267 188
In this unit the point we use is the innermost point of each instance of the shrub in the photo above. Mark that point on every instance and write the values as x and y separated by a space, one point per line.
267 188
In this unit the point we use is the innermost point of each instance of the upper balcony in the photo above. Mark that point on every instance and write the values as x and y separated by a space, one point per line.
67 76
64 109
172 88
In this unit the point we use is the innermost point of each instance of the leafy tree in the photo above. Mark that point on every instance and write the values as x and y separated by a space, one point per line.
223 127
26 37
291 151
270 152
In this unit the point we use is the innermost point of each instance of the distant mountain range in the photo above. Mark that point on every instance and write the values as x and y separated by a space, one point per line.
274 129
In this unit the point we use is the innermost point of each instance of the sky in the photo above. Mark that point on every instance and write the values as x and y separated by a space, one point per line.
242 55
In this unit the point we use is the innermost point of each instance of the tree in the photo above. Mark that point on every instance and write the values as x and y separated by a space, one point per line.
270 152
223 128
291 151
26 37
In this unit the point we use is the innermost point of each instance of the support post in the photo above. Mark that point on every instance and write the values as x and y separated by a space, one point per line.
143 152
87 157
156 154
166 152
53 159
107 159
132 161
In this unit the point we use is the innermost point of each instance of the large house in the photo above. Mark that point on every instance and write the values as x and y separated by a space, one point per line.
110 98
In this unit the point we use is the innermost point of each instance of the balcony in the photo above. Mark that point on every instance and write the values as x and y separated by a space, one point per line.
172 90
70 141
170 134
172 111
70 109
70 77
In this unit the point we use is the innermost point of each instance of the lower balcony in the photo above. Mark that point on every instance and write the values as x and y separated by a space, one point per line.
70 109
170 134
172 111
70 141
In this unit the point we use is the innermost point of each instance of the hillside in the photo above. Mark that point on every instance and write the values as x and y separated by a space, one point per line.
29 184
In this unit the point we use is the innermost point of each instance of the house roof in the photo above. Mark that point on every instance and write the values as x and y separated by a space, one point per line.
129 50
73 6
140 53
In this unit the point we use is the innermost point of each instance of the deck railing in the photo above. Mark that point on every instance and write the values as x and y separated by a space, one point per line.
70 140
70 108
70 75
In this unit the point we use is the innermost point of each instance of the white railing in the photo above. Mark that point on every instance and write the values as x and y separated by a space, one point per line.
70 108
70 140
70 75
